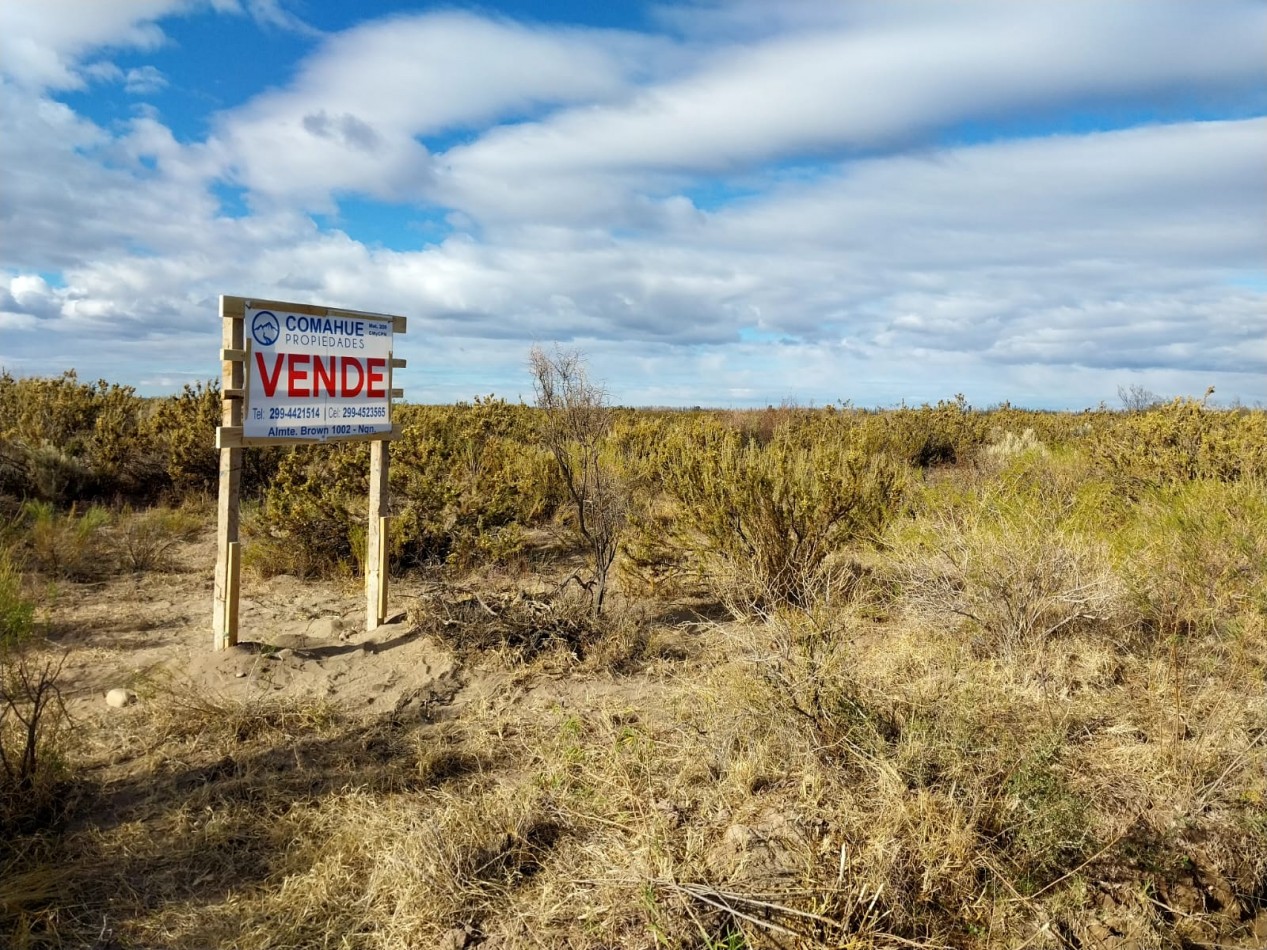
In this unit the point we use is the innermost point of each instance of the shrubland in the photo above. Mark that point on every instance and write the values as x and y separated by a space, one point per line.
933 676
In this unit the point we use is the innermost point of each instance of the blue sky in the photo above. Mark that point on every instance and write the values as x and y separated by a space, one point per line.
728 203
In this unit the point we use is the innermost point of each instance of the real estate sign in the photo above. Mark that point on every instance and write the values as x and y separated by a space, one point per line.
294 373
317 376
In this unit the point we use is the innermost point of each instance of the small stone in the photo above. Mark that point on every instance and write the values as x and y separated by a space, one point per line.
240 674
118 698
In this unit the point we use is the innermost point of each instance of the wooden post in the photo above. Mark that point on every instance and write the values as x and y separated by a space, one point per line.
383 578
224 614
376 538
233 589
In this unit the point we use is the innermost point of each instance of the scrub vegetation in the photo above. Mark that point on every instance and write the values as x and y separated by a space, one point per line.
932 676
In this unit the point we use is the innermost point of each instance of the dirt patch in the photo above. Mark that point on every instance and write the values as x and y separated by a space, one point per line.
148 632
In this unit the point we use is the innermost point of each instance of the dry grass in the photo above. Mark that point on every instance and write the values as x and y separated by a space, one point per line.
850 783
1037 764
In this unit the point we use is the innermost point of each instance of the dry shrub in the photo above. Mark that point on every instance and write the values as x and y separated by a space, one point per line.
1021 556
1005 445
360 871
147 539
88 544
805 659
521 627
881 787
1018 579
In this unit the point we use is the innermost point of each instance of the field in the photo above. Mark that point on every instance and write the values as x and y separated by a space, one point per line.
936 676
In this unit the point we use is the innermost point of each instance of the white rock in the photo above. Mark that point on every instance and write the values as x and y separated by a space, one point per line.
118 698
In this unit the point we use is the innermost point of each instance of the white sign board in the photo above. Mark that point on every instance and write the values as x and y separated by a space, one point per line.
317 377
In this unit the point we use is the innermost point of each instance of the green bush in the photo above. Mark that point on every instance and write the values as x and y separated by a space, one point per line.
760 522
1195 556
465 481
468 479
1179 442
308 520
16 612
946 434
70 545
184 427
66 441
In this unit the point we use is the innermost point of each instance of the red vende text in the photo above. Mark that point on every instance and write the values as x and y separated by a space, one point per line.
315 376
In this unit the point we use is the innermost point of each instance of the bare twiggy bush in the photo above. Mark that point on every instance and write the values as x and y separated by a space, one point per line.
520 626
1137 398
33 727
1019 580
576 429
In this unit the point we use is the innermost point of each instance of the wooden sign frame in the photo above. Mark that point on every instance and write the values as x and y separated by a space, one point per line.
234 354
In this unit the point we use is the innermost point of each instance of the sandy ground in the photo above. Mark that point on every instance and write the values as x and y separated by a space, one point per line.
297 637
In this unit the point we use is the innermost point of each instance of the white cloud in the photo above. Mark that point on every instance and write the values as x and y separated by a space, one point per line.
353 117
881 83
143 80
42 42
632 195
271 13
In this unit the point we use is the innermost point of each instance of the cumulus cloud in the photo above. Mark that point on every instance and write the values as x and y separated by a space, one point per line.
44 44
763 201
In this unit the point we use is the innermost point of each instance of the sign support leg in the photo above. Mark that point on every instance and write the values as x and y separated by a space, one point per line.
224 619
376 538
224 613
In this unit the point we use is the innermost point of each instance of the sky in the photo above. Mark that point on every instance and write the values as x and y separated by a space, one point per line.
720 203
